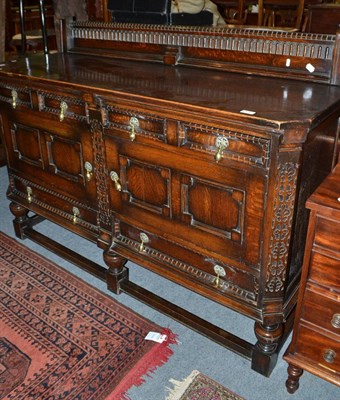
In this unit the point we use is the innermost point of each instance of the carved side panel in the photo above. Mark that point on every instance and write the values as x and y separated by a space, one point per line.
285 190
100 171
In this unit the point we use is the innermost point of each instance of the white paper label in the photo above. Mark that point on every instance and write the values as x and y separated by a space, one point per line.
310 67
248 112
156 337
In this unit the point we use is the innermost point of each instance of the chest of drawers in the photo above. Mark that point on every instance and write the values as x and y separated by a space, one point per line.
315 344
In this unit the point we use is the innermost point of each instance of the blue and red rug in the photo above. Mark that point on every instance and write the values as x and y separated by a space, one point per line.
198 386
63 339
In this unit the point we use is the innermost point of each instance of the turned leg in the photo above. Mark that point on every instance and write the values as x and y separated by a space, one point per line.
117 270
21 219
294 374
266 350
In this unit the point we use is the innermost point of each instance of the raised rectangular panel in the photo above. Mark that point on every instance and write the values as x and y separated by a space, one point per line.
65 157
146 186
216 209
26 144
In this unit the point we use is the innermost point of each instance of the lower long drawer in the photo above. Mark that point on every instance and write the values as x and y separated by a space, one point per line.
189 267
71 213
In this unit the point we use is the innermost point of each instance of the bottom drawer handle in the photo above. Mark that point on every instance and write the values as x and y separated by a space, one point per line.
29 194
329 356
76 214
220 272
144 239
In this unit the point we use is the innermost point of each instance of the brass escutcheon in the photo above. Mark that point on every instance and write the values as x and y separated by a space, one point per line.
88 167
134 123
14 94
144 239
29 194
115 178
220 272
76 214
221 143
63 109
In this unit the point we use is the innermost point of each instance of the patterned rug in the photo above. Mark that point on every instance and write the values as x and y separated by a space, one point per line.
63 339
200 387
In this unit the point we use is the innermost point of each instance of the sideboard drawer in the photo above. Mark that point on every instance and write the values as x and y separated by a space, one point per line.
225 144
319 349
190 266
134 124
51 202
17 96
63 106
322 311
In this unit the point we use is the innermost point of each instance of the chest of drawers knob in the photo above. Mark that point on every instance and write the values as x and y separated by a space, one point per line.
336 321
329 356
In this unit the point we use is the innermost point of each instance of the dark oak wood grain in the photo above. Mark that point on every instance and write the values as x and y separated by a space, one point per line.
198 174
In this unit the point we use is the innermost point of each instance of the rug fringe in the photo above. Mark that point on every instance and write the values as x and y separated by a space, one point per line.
179 387
157 356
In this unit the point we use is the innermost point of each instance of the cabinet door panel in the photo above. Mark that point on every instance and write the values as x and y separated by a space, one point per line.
53 154
27 144
217 208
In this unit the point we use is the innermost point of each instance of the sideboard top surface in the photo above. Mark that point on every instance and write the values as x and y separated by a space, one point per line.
266 101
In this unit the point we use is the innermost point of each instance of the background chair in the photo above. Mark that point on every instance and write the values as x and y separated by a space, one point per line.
31 31
282 13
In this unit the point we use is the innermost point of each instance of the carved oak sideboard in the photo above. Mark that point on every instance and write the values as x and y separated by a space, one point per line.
194 172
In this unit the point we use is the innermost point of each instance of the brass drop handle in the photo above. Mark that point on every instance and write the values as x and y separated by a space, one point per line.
88 168
220 272
14 94
76 214
63 109
144 239
134 123
335 321
29 194
115 178
221 143
329 356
